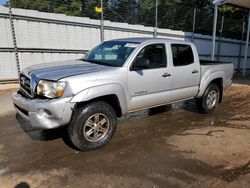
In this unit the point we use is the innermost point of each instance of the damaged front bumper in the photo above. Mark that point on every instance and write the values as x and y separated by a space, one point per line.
44 113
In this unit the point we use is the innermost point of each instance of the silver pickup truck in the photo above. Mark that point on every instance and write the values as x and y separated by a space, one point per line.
115 78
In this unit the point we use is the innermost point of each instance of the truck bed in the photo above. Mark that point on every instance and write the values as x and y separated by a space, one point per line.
212 67
209 62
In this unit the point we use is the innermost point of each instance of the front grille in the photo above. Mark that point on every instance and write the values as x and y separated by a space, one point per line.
23 94
25 85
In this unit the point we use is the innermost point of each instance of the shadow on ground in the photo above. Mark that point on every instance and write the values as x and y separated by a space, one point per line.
44 135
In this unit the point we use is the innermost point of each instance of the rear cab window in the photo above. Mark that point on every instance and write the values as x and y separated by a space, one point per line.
182 54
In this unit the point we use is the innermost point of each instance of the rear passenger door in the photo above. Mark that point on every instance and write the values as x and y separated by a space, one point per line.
186 72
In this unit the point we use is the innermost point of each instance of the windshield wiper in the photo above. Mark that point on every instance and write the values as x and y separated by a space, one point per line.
99 62
82 59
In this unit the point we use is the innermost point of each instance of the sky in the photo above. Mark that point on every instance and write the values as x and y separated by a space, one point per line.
2 2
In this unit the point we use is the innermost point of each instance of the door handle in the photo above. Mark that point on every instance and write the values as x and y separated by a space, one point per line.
165 75
195 71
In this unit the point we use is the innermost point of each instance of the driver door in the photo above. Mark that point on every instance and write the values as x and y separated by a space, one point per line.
148 87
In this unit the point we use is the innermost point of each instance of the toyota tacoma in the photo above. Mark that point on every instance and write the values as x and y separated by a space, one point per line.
116 78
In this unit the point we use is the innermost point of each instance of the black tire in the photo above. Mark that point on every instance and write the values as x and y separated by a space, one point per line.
78 126
202 104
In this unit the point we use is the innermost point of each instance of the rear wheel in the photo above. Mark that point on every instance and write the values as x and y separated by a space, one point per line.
208 102
92 126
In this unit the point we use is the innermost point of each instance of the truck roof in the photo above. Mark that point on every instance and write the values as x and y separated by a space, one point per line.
145 39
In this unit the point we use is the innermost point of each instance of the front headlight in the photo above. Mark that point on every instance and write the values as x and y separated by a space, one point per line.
50 89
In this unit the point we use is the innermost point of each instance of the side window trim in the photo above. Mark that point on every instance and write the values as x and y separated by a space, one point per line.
143 48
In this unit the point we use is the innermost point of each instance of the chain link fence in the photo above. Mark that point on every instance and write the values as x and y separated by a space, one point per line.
188 16
159 13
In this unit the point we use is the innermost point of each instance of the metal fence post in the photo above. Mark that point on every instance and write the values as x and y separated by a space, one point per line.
14 39
221 31
214 31
246 48
156 18
102 23
240 48
194 23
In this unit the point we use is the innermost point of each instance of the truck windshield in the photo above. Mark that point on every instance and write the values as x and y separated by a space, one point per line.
111 53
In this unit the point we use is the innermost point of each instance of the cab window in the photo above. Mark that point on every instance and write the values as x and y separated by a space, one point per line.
156 54
182 54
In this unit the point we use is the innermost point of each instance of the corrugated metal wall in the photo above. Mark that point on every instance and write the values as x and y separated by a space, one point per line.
45 37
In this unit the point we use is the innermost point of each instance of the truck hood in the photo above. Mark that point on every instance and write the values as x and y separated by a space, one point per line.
62 69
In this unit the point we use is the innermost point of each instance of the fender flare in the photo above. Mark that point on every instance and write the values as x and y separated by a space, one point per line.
207 79
100 91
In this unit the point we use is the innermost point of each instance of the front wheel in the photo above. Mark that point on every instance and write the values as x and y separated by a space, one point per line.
208 102
92 126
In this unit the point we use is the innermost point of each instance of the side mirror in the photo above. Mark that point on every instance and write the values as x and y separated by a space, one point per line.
140 64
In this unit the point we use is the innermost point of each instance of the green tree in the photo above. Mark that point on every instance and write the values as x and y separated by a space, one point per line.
69 7
31 4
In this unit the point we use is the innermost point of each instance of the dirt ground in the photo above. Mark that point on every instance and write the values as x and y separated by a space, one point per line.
166 148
